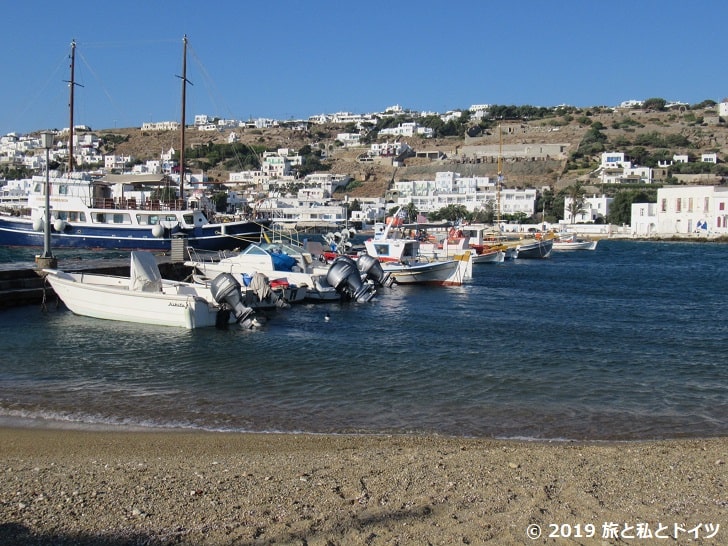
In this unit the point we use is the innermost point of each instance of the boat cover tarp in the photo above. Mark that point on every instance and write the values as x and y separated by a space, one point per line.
144 275
282 262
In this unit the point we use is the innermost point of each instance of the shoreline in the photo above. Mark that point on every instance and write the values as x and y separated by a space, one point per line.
190 487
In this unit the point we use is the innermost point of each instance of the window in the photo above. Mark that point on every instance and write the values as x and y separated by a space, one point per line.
678 205
663 206
690 204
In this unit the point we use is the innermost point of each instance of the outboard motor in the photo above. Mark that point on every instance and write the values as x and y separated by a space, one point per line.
344 276
370 267
226 291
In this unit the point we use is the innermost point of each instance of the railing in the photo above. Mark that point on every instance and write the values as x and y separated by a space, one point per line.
131 203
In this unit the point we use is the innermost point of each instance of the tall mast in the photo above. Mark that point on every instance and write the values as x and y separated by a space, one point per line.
500 176
182 139
72 85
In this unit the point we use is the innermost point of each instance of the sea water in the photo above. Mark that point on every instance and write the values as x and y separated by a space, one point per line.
625 342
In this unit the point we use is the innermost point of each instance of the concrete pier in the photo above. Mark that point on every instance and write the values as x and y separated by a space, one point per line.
22 284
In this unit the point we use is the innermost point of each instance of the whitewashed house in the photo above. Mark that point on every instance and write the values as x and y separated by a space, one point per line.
349 139
474 193
643 222
595 208
683 211
723 108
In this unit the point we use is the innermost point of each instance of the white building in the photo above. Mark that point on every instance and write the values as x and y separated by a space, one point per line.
616 169
594 209
723 108
160 126
349 139
683 210
474 193
116 161
408 129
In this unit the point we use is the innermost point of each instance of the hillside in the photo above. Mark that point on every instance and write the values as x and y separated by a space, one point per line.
621 129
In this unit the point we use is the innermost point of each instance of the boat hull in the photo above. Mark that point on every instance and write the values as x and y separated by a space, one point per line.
20 232
108 297
576 245
535 250
444 273
490 257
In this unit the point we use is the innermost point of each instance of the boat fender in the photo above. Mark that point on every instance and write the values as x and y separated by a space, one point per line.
59 225
158 231
38 224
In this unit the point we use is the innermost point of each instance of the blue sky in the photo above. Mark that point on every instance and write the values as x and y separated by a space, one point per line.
291 59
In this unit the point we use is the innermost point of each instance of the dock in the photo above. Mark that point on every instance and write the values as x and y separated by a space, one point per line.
24 283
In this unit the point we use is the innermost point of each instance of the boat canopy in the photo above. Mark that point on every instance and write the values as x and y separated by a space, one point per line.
144 275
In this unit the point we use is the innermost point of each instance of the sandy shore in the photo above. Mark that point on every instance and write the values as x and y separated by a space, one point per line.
64 487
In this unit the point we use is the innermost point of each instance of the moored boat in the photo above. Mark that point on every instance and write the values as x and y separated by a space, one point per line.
401 259
572 242
144 297
98 213
280 262
536 249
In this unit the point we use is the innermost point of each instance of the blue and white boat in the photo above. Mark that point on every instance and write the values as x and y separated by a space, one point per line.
100 213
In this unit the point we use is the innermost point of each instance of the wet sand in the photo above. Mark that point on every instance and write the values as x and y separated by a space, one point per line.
113 488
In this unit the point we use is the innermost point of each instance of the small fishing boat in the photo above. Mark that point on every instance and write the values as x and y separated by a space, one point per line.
144 297
572 242
536 249
405 265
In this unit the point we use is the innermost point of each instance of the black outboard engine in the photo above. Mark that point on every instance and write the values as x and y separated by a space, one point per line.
226 291
344 276
370 267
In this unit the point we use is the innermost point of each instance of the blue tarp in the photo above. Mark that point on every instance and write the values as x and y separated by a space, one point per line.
283 262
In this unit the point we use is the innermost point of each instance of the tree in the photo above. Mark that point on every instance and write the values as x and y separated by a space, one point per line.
452 213
221 200
576 204
620 211
411 211
654 104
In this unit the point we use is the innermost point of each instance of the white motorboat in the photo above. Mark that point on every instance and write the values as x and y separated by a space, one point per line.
572 242
144 297
284 264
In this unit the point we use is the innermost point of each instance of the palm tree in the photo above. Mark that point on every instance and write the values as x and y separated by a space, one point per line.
577 202
411 211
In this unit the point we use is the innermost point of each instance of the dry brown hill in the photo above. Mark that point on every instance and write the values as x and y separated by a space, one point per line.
620 126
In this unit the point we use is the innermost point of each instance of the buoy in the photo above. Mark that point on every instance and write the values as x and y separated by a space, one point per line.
327 317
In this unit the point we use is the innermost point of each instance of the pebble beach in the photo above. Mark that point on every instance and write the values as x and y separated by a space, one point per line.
114 488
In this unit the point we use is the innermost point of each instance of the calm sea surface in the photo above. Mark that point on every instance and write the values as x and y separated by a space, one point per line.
626 342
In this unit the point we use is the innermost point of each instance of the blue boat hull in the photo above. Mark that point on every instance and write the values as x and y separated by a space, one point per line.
210 237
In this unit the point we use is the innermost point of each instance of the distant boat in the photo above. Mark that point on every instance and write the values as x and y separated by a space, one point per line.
572 242
539 248
110 212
